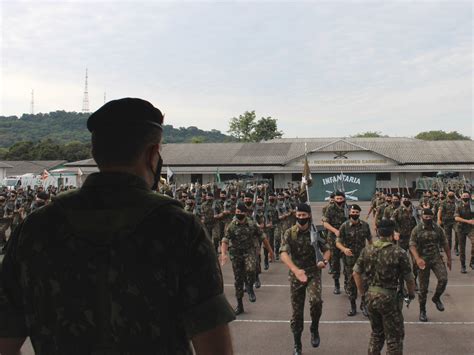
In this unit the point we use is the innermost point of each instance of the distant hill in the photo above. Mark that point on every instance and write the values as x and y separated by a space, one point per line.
64 127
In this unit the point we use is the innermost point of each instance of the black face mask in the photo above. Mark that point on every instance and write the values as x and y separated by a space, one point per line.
157 174
302 221
407 203
466 200
428 222
340 203
223 198
354 217
260 203
396 204
388 201
451 197
442 198
272 200
233 198
248 203
240 216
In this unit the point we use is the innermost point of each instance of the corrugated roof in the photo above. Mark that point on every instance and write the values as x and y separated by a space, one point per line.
21 167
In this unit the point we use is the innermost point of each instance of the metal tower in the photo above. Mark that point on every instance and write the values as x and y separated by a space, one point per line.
85 101
32 106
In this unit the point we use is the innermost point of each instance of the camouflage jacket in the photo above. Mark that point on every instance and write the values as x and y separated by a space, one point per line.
428 240
229 206
272 214
448 209
404 220
379 214
297 243
242 237
207 212
384 263
101 272
335 216
464 211
354 236
259 214
325 208
281 209
389 211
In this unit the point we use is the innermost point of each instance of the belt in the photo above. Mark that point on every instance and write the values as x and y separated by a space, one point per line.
385 291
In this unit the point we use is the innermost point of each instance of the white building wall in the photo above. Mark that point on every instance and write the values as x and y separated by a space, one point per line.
3 174
182 179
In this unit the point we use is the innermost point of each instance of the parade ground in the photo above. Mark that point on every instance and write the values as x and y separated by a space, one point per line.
264 327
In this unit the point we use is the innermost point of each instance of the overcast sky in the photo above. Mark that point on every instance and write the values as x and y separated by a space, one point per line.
320 68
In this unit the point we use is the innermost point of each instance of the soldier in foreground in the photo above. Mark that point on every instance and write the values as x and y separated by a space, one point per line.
299 255
115 273
384 263
425 242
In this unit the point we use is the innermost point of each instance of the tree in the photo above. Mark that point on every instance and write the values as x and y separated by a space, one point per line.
369 134
198 139
245 129
441 136
266 129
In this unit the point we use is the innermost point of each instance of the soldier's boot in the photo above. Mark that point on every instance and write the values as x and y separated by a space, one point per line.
251 293
472 264
240 307
265 263
456 248
298 347
363 307
423 317
337 287
463 268
437 301
257 282
353 311
315 339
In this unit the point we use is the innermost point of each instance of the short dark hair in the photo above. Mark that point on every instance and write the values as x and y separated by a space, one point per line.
385 227
123 145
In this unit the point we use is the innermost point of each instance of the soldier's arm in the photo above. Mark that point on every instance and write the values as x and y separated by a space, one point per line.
443 243
440 215
458 218
328 226
340 241
214 341
407 274
413 249
357 271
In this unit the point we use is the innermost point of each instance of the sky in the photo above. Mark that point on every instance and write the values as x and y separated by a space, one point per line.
322 69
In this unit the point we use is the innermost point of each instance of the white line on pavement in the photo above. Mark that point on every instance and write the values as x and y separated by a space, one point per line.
349 322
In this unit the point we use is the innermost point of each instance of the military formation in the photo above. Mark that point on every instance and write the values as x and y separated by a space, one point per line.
384 269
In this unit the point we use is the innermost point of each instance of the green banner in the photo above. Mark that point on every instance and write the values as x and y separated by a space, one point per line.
358 187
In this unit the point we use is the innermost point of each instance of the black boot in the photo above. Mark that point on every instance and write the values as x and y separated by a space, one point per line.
437 301
337 287
257 282
265 262
463 269
252 297
298 346
423 317
472 264
353 311
456 250
240 307
315 339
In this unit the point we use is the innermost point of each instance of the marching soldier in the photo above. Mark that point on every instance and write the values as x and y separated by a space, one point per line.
426 240
446 220
353 235
379 213
271 223
305 275
404 223
390 209
207 217
384 264
282 221
333 219
259 213
464 215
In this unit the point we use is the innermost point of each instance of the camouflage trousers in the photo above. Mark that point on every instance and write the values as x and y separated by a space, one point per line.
336 258
258 259
448 230
386 321
277 235
217 233
439 268
243 265
462 246
270 232
298 292
351 287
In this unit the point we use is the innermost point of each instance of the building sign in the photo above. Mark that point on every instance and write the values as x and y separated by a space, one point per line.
319 159
358 187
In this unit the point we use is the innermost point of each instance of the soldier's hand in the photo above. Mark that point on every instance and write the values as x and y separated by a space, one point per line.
347 252
223 259
421 263
321 265
301 275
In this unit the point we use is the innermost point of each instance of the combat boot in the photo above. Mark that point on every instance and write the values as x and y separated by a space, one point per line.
251 293
423 317
472 264
257 282
240 307
463 269
298 348
266 265
337 287
437 301
315 339
353 311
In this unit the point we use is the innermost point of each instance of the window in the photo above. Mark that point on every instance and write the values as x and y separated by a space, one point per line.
196 178
296 176
384 177
429 174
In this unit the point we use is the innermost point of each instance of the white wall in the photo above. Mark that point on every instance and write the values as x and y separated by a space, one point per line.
3 174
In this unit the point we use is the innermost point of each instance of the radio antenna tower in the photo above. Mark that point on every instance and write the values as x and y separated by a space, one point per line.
32 102
85 101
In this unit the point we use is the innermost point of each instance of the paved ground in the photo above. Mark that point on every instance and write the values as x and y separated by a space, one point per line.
264 328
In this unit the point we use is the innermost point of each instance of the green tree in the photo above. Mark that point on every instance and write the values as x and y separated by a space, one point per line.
369 134
21 151
198 139
441 136
266 129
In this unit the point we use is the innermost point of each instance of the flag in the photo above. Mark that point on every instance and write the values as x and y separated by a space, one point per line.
44 175
306 176
79 172
218 176
169 174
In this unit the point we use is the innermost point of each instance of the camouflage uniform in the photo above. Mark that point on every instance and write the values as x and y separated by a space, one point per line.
404 224
272 215
242 238
428 240
448 208
280 227
465 231
229 206
219 225
335 216
353 236
111 273
207 212
389 211
384 264
297 244
259 220
379 214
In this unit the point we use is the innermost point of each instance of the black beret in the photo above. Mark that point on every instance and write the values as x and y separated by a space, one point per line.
340 193
356 207
241 206
303 207
124 113
332 195
210 194
248 195
428 212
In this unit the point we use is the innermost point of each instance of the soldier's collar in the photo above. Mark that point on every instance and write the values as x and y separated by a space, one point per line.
115 180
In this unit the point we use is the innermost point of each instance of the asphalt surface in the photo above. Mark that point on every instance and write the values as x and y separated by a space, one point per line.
264 327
